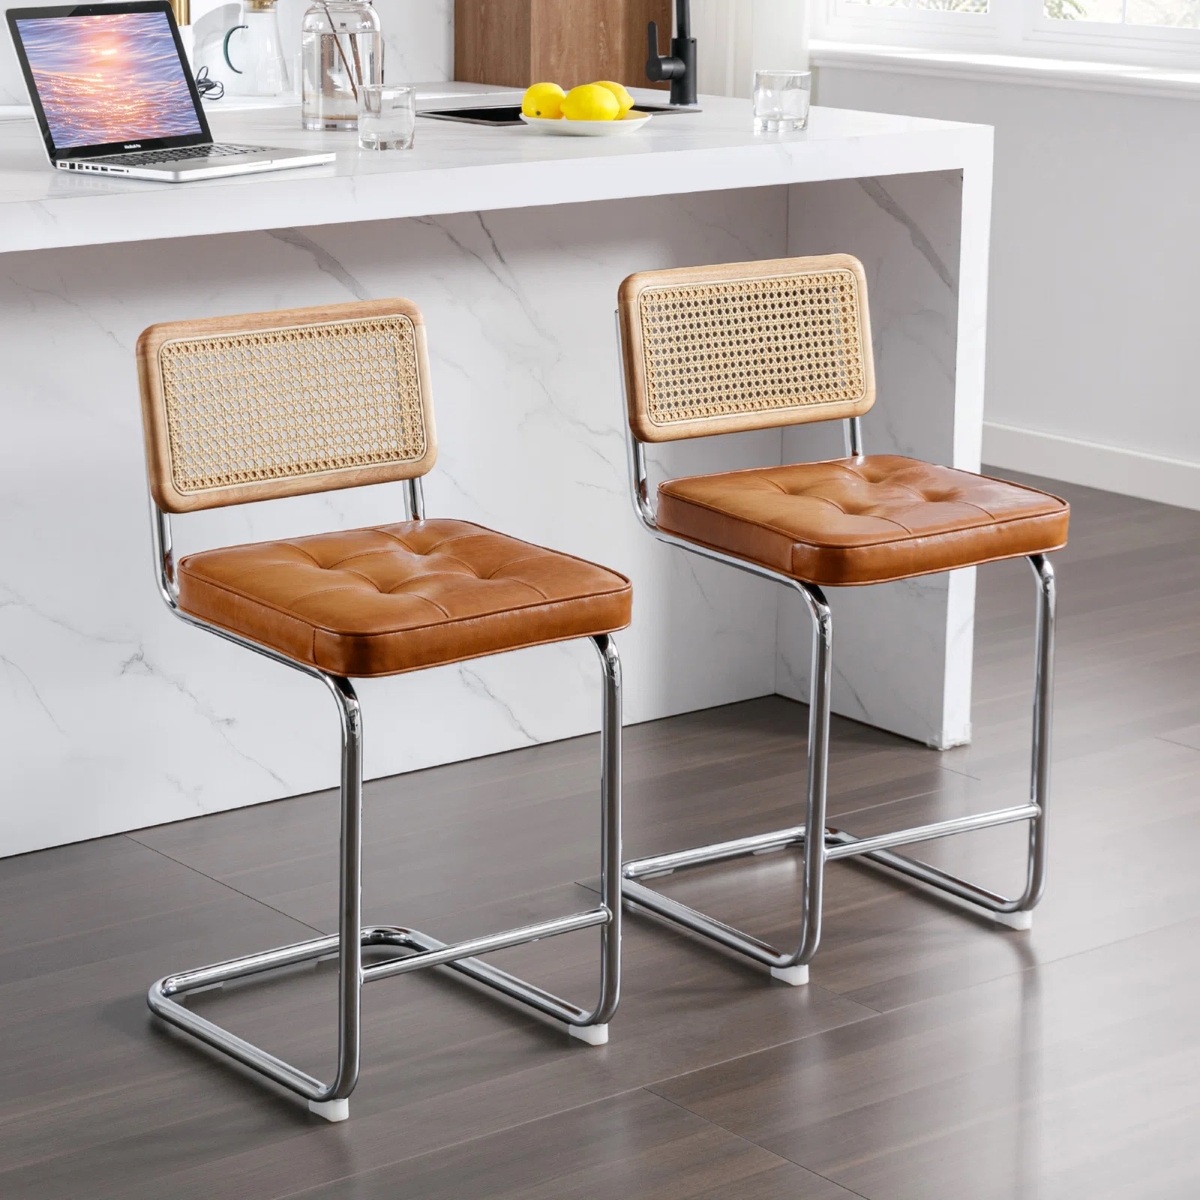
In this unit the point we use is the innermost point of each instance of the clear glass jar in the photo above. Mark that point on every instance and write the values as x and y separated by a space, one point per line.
340 48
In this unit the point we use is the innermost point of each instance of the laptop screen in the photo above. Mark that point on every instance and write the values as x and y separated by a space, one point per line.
108 79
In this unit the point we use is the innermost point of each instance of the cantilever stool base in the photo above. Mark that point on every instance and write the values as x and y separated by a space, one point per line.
275 404
326 566
709 350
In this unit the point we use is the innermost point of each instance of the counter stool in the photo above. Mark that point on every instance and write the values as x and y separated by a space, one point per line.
711 350
289 403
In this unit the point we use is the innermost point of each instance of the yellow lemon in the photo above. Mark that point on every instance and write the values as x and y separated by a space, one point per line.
543 100
624 99
591 102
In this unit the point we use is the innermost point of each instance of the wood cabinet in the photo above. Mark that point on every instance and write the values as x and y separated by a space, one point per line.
518 42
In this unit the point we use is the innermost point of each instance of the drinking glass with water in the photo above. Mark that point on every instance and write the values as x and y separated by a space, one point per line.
781 100
387 117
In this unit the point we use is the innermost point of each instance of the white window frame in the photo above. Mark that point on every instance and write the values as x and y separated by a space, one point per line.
1010 27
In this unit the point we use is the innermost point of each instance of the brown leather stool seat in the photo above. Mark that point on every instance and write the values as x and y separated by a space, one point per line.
861 520
369 602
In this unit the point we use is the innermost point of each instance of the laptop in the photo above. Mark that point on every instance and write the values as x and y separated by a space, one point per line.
114 95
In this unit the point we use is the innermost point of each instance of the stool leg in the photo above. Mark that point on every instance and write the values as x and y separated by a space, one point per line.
337 1106
1043 695
595 1031
795 970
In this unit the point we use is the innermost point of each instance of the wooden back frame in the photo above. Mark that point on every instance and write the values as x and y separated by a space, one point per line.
296 442
740 346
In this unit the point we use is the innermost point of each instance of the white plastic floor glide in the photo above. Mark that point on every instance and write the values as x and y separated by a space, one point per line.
331 1110
594 1035
796 976
1017 920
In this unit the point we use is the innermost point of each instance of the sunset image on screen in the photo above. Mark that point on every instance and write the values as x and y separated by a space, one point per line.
110 78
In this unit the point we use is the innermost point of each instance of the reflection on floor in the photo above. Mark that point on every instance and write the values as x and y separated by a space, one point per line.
931 1057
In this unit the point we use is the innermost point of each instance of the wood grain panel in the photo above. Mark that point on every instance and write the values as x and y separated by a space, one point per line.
515 43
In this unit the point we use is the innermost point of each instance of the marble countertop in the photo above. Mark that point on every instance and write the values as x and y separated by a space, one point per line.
460 168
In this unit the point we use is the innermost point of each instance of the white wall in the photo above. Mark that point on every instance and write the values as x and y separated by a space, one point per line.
1093 349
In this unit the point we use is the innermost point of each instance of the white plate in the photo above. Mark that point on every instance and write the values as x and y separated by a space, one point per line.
564 128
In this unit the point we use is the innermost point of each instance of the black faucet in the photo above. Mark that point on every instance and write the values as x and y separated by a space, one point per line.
680 67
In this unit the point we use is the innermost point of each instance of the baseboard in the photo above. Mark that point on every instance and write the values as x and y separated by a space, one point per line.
1109 468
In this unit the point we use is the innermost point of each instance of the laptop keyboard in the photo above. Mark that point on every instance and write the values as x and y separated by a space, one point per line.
141 158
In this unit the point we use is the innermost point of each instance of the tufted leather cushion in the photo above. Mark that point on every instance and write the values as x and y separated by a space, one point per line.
862 520
400 597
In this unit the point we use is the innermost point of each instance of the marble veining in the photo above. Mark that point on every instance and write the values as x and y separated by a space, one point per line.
916 683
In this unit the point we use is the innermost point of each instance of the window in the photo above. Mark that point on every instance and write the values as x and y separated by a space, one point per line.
1146 32
1170 14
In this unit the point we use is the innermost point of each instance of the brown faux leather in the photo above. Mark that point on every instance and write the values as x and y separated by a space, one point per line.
862 520
368 602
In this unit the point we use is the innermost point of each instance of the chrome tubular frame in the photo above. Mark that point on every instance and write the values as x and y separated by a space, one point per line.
878 851
331 1100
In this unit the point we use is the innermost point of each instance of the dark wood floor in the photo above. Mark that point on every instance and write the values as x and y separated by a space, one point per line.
931 1057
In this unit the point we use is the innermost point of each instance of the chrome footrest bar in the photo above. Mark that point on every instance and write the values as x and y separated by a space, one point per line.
510 985
761 843
432 953
845 845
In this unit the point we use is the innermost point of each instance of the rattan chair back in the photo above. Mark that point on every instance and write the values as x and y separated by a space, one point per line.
285 403
745 346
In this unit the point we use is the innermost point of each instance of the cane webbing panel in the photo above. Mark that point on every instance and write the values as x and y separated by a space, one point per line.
251 413
721 349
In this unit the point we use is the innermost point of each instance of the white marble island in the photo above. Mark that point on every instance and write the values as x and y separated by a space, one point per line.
113 715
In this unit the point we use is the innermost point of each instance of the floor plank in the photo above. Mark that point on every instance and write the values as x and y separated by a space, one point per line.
631 1146
1022 1086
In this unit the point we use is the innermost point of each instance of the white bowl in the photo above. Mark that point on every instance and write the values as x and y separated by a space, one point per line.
627 124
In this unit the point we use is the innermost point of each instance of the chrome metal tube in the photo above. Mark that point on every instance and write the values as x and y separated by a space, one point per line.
1043 703
610 829
414 499
443 954
643 506
820 695
852 429
850 846
350 975
237 1048
164 555
759 843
